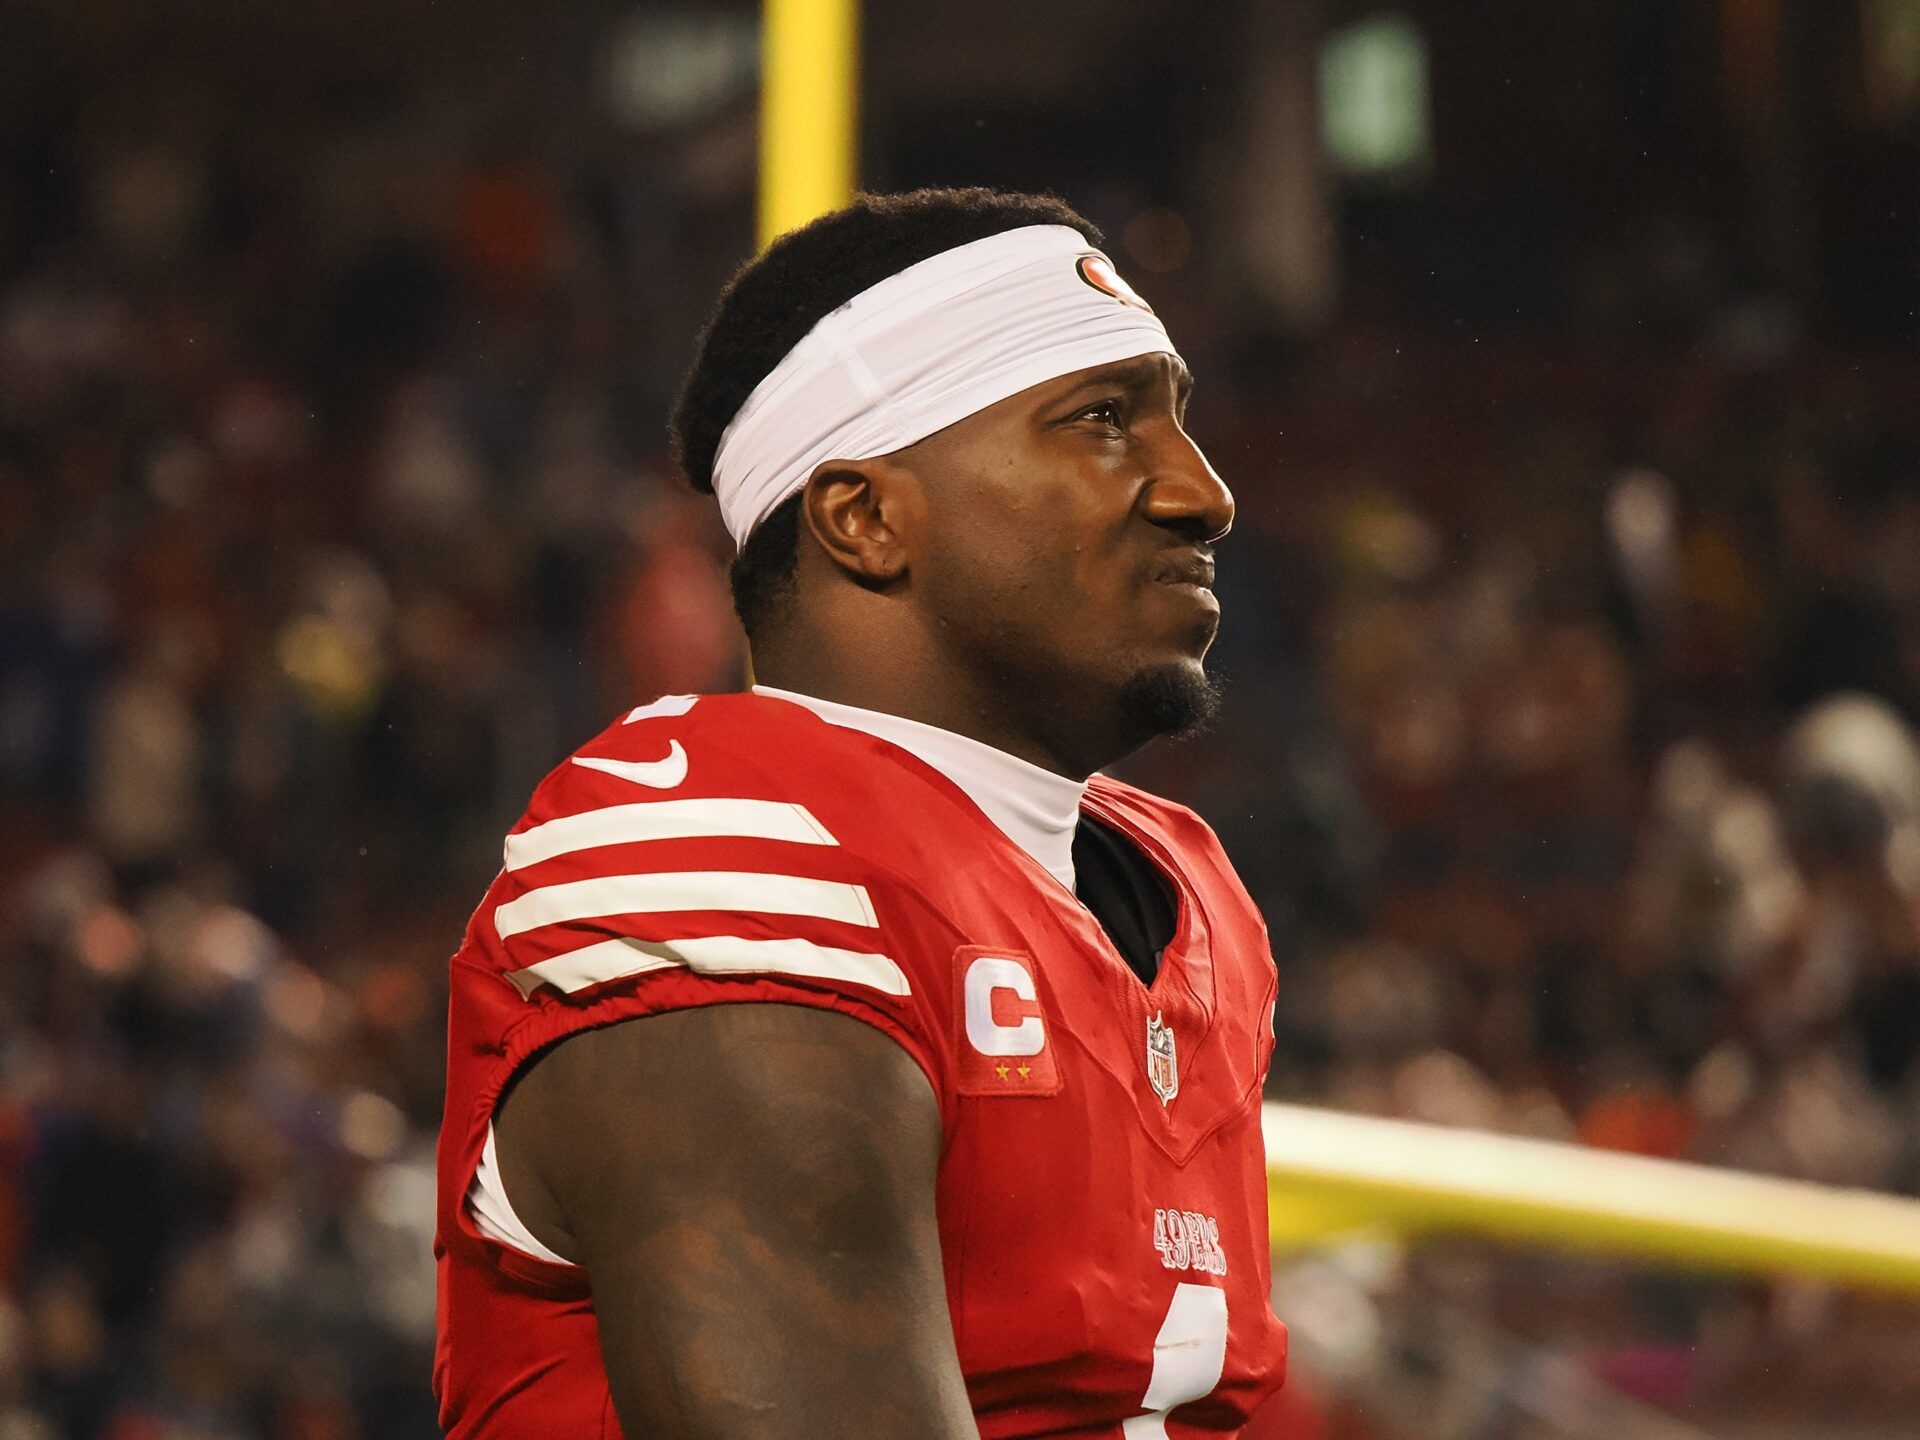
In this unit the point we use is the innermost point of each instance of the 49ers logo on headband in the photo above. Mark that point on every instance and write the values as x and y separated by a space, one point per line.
1098 272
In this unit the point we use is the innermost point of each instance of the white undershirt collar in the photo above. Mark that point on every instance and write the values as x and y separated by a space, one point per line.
1033 807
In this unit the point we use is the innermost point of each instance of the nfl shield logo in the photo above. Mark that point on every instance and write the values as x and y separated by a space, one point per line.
1163 1071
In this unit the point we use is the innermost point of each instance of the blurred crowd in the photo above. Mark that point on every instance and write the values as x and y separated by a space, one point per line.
334 510
1568 741
1570 753
1603 817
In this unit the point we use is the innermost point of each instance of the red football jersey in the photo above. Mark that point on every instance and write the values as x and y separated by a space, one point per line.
1102 1200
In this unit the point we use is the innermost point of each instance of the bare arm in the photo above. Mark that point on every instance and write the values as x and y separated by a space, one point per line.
751 1191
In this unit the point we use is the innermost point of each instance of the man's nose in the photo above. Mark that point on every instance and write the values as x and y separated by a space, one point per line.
1185 494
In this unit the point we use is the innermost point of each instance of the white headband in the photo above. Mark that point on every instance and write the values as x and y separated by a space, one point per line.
923 349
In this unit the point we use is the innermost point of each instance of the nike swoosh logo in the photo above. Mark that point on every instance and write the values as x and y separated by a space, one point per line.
660 774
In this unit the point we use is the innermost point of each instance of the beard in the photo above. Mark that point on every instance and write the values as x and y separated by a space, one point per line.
1169 702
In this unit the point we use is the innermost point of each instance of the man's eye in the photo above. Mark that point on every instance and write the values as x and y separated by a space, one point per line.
1107 412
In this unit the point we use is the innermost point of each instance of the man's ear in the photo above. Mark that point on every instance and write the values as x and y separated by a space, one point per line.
865 515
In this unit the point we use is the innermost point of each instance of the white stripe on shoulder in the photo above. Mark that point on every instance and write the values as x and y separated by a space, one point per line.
710 955
685 890
664 708
666 820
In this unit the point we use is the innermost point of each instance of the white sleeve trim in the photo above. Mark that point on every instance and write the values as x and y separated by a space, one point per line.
493 1213
626 955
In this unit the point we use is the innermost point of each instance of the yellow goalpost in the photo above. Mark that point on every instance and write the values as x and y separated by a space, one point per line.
1330 1174
809 76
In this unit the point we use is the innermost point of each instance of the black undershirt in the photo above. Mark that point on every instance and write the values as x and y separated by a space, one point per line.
1126 893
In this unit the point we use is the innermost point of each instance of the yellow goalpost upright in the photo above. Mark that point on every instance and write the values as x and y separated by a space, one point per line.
809 86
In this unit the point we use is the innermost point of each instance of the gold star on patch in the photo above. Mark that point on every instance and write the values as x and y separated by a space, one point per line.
1001 1071
1025 1071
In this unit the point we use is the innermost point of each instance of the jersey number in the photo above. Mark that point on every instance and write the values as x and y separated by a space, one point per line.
1188 1355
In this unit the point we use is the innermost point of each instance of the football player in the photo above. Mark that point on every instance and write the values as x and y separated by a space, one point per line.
850 1058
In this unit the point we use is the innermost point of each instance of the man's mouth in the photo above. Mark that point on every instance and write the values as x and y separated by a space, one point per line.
1188 573
1187 567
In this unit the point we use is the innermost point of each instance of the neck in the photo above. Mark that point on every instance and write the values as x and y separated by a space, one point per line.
897 680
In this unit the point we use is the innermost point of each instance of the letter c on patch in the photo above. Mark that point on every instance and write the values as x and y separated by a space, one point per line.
988 977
